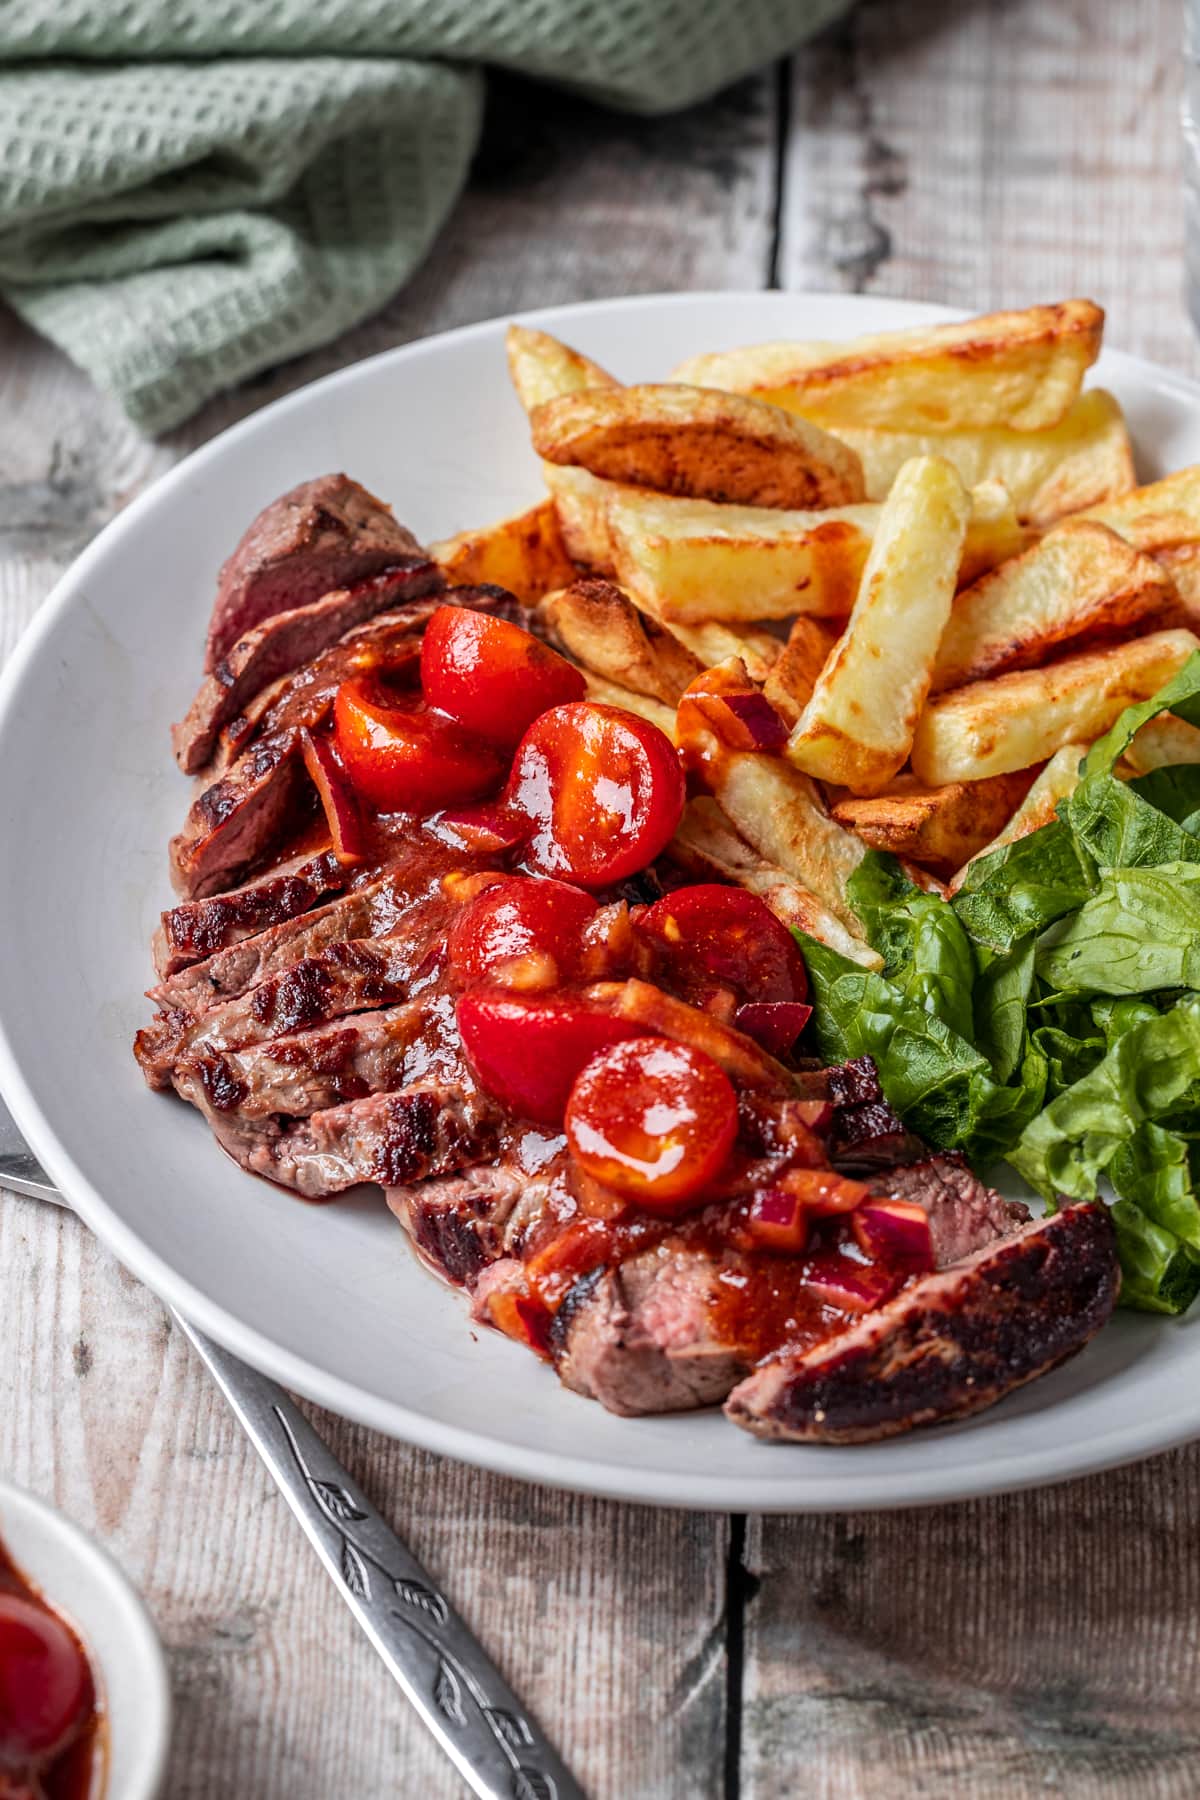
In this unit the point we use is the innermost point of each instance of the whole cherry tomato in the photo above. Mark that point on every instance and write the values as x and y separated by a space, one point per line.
525 916
602 789
653 1119
712 933
404 757
491 676
45 1684
527 1051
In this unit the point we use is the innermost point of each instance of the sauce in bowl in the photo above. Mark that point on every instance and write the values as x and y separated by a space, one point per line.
50 1726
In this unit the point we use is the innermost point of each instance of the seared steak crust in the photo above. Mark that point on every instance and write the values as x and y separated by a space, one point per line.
949 1345
237 821
324 534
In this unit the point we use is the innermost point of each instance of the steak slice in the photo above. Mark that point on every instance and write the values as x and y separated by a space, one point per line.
237 821
197 929
324 534
308 1071
642 1338
950 1344
285 642
431 1128
964 1215
370 910
457 1224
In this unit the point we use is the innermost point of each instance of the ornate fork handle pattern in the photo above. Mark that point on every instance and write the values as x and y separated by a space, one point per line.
461 1696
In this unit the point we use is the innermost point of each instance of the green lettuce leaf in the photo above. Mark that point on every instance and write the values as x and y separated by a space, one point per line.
1158 1273
1068 1058
1156 1169
1116 825
1139 933
925 950
941 1085
1002 995
1115 1017
1174 790
1148 1072
1181 695
1023 887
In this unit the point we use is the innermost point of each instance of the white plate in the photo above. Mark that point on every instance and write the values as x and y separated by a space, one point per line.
329 1299
80 1579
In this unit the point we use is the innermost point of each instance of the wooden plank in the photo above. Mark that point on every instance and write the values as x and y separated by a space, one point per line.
987 156
1039 1644
608 1619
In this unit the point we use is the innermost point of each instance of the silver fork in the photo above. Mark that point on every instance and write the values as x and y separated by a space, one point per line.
460 1695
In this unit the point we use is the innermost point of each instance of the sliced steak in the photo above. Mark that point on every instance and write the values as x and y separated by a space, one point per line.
642 1338
197 929
287 641
457 1224
393 1139
324 534
238 821
308 1071
964 1215
950 1344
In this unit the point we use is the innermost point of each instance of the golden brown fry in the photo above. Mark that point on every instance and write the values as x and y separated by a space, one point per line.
524 554
581 502
1053 783
698 443
1083 460
716 640
1081 581
598 625
541 367
775 808
707 845
1163 741
944 826
1018 369
1012 721
858 725
611 693
793 676
1160 516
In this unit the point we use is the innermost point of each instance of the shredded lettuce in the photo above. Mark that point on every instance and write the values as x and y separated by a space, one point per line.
1137 934
1023 887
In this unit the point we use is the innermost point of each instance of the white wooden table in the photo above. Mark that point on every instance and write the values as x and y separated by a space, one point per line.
980 152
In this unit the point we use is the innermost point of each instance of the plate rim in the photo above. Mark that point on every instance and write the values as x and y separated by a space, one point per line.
570 1472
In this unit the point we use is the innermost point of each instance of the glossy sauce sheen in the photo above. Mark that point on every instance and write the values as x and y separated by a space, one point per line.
75 1773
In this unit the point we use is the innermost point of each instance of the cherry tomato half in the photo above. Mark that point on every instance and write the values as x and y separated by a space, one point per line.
527 1051
712 933
524 916
653 1119
402 756
602 789
492 676
45 1685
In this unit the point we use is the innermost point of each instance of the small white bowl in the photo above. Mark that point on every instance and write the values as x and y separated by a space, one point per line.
80 1580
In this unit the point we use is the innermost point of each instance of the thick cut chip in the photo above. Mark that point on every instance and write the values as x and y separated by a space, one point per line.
716 640
707 845
581 502
1053 783
611 693
774 807
598 625
691 560
698 443
858 726
541 367
1081 581
992 727
1017 369
1163 518
944 826
793 676
524 553
1162 742
1083 460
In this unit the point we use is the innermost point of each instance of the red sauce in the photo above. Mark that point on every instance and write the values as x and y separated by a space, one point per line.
51 1729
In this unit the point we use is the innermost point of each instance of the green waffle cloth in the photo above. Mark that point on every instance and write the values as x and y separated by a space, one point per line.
193 190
